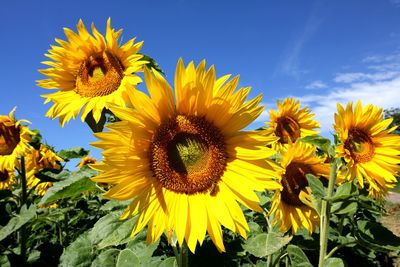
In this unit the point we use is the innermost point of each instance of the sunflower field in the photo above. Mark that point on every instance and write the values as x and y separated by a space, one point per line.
182 180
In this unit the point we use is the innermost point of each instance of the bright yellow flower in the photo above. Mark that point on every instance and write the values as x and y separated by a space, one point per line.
370 150
292 205
290 122
186 163
14 141
39 159
7 178
86 160
90 72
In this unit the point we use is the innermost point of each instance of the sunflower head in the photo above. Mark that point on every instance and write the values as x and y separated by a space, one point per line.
192 163
86 160
290 122
292 206
89 71
7 178
36 160
368 147
14 139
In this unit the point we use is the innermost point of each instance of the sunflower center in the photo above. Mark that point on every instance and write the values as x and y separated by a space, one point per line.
287 129
360 145
293 182
9 136
4 176
188 155
99 75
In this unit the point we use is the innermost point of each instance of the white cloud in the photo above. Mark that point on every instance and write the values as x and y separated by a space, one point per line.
385 94
360 76
318 84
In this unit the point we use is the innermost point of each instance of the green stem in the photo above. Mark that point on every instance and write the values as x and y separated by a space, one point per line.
24 200
330 254
325 215
184 255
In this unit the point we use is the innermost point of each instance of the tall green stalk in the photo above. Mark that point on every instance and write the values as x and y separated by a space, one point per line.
24 200
325 215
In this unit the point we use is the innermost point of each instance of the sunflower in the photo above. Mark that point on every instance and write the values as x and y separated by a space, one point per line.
292 205
186 163
14 141
86 160
90 71
39 159
370 150
7 178
290 122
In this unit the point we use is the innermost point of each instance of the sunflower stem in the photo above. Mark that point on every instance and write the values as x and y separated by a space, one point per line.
325 215
24 198
184 255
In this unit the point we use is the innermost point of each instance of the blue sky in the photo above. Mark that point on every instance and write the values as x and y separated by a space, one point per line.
322 52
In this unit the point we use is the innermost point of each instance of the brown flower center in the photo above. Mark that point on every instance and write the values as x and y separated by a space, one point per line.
9 135
99 75
4 176
188 155
360 145
287 129
293 182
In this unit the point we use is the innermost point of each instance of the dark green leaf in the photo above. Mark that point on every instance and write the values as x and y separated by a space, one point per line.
96 126
344 191
140 247
152 63
19 220
168 262
106 258
375 236
73 153
316 186
111 231
346 207
78 253
334 262
127 258
265 244
76 184
298 257
318 141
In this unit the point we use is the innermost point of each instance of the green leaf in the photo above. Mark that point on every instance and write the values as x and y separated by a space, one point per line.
106 258
140 247
168 262
115 205
346 207
298 257
111 231
316 186
77 183
4 262
152 63
318 141
78 253
266 244
375 236
73 153
24 216
334 262
127 258
344 191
